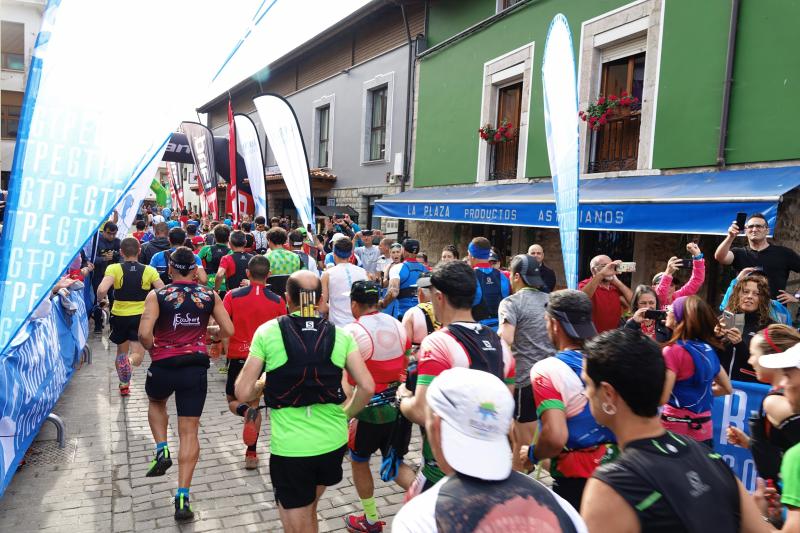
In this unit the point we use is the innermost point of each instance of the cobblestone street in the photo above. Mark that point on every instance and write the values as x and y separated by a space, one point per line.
97 483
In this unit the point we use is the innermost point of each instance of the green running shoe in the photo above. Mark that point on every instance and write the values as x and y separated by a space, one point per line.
183 511
160 465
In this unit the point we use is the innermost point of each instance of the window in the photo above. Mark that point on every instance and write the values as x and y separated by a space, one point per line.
505 4
13 45
504 164
323 119
377 132
615 146
10 112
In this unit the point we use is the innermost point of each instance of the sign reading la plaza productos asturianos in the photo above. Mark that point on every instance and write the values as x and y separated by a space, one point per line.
513 214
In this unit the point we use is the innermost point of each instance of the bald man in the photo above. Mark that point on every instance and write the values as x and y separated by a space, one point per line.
547 274
308 436
610 297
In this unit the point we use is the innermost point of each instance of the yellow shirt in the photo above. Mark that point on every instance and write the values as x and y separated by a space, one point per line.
123 308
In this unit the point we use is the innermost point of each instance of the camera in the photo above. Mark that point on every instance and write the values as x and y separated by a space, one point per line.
654 314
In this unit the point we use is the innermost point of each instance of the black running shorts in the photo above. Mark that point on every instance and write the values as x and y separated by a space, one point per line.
365 438
188 383
295 479
234 367
524 405
124 328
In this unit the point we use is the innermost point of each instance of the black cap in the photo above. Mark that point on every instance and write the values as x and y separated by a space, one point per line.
528 268
573 310
365 292
411 246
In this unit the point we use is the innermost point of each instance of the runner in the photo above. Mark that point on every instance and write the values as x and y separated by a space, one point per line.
468 421
569 434
212 254
160 261
419 321
403 280
249 307
131 281
308 424
336 284
383 345
232 267
461 342
173 329
493 286
661 481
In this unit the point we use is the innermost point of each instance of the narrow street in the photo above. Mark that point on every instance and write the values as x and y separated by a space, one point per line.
97 482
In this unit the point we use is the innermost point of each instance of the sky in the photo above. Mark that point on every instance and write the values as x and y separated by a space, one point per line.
287 24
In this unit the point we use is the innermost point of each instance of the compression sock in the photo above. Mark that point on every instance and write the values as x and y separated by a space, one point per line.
241 409
160 446
251 448
370 509
123 367
182 491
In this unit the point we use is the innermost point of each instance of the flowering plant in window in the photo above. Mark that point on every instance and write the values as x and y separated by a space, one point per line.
597 113
503 133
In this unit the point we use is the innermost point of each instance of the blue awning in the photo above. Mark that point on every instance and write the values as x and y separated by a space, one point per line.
703 202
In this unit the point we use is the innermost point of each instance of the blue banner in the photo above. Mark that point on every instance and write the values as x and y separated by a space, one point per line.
735 410
33 373
561 126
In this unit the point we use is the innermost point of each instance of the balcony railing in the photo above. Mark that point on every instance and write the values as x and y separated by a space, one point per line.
615 146
503 160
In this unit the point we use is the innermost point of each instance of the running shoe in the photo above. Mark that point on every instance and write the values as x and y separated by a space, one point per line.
124 389
250 460
359 524
183 511
223 370
160 465
250 431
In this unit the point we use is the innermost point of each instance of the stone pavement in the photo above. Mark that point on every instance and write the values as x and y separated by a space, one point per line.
99 484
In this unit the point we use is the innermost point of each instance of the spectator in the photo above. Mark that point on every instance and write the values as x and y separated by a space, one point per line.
778 312
694 374
776 261
368 254
483 494
106 253
661 481
449 253
260 236
645 299
609 295
547 274
664 283
523 328
750 298
281 260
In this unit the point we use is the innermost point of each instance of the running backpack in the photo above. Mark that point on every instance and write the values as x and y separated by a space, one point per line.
492 289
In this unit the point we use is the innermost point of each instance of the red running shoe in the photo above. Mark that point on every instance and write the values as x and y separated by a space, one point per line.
124 390
359 524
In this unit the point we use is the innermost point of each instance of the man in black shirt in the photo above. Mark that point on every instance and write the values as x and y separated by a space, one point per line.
662 482
106 253
547 274
776 261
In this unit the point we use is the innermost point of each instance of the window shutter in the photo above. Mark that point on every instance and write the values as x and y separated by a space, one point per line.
624 49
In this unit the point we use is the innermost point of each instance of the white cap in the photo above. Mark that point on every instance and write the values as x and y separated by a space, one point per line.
337 236
476 409
788 359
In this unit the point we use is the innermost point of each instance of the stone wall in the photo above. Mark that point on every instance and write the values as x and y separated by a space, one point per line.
357 198
787 230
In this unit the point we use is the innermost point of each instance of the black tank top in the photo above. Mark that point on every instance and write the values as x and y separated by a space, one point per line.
675 484
240 259
483 347
131 290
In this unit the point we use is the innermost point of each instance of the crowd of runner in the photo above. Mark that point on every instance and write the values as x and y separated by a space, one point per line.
352 339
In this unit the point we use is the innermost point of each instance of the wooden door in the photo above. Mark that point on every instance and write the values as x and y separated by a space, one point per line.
509 105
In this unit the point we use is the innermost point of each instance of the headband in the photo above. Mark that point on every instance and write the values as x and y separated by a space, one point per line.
765 333
477 252
677 308
182 266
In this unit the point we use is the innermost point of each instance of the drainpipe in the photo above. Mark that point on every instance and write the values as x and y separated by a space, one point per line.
409 102
726 89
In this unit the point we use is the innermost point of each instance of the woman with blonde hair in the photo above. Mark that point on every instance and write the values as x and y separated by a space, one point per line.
751 298
775 428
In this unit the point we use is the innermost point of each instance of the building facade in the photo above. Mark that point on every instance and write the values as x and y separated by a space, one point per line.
349 89
693 115
19 25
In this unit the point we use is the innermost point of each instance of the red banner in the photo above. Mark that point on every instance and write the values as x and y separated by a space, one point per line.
232 204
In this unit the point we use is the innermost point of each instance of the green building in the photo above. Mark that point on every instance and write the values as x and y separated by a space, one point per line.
698 127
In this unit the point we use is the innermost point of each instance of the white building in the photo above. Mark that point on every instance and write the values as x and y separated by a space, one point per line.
20 21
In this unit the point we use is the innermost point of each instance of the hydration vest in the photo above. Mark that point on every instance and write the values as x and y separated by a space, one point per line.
131 289
240 260
309 376
492 290
694 393
583 430
164 274
218 251
483 347
408 285
466 504
430 319
768 443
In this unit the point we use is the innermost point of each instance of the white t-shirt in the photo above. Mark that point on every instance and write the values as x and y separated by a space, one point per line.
419 514
340 278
